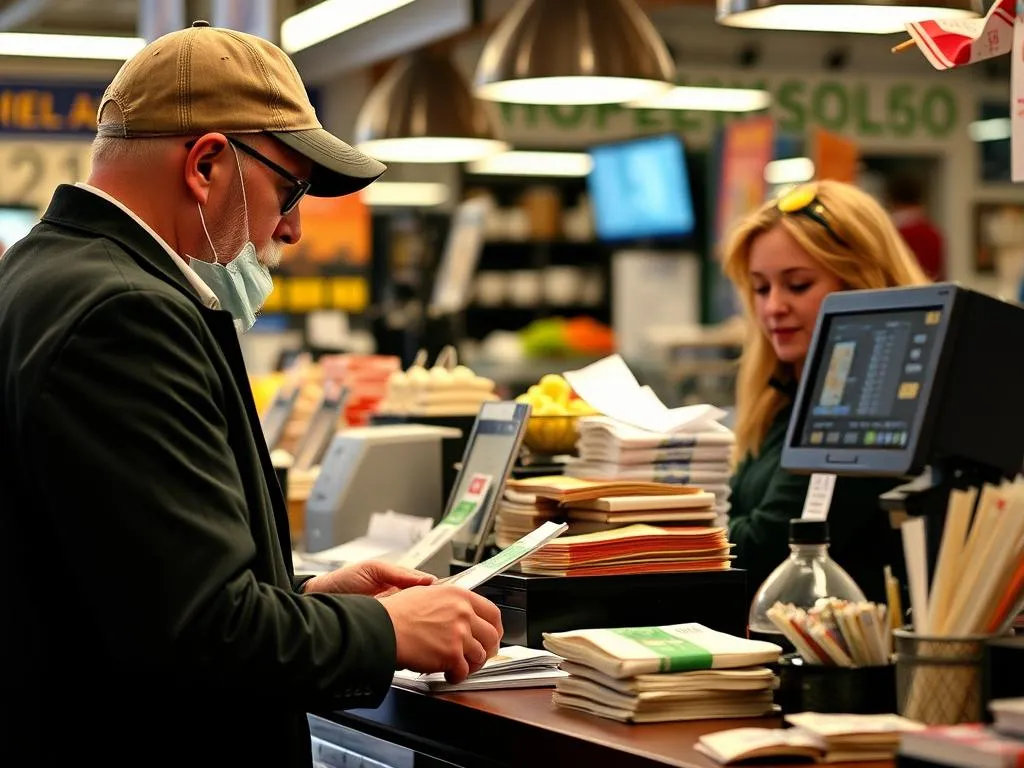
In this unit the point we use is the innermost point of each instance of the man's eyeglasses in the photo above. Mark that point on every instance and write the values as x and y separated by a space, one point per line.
803 200
299 186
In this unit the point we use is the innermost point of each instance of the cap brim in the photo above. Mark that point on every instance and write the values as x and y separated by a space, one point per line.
338 169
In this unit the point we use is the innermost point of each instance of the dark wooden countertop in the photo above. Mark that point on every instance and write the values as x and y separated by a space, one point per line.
523 728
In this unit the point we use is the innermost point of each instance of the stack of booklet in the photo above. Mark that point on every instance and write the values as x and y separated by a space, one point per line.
633 549
658 674
824 738
513 667
589 506
696 455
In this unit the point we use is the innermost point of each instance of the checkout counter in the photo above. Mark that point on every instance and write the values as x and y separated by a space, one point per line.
927 356
507 729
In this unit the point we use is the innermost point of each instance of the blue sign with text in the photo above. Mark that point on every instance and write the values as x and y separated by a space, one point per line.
58 110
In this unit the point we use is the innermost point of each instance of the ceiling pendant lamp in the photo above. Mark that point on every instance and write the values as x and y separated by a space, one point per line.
868 17
574 52
422 111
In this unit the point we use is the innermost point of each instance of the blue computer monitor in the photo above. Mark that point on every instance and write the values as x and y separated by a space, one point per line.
640 190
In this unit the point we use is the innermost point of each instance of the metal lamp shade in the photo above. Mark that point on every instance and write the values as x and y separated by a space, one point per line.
860 16
422 111
574 52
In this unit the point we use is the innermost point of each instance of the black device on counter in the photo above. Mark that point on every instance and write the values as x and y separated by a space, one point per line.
531 605
922 382
1001 671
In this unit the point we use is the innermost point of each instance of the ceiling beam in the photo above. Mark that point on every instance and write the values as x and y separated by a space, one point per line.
413 26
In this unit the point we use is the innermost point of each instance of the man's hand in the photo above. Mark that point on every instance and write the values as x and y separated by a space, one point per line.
370 578
443 629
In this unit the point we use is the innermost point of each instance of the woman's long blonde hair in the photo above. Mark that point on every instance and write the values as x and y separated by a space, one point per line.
875 256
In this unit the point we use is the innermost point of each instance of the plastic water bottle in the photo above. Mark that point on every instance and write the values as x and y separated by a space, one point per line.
807 575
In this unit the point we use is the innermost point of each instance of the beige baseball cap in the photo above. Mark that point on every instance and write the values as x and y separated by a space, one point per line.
206 79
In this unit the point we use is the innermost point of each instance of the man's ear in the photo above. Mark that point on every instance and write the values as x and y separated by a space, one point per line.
201 165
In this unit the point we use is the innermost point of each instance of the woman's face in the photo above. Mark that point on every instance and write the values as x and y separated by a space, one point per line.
788 289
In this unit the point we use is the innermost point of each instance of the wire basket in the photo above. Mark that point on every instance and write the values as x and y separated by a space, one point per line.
939 679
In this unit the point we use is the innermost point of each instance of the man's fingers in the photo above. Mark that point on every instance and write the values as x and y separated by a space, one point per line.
486 610
485 634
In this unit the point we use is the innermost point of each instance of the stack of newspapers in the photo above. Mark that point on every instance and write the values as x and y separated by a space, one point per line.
658 674
697 455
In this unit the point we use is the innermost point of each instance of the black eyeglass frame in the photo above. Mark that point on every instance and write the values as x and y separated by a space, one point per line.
299 186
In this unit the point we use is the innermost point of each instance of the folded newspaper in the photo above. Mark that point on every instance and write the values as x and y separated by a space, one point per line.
630 651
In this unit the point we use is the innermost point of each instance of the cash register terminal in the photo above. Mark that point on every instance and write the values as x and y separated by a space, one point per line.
924 383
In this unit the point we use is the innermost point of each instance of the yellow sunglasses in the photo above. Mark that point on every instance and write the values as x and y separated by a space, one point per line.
804 200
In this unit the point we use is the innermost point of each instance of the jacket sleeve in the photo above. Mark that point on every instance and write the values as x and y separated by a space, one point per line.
128 437
761 534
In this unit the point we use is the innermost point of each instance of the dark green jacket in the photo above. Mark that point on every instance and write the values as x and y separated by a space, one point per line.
144 547
765 497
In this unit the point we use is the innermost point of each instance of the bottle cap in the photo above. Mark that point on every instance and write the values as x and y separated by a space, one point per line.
808 531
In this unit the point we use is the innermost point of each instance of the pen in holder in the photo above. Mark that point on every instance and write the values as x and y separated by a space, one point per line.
843 662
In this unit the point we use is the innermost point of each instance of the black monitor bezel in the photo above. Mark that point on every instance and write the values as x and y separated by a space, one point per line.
862 461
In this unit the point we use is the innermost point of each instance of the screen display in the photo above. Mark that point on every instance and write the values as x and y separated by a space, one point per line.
869 380
641 189
492 449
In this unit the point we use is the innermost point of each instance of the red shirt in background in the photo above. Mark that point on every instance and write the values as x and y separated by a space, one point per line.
924 239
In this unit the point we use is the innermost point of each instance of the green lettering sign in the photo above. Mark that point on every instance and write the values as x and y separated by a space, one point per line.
901 110
790 111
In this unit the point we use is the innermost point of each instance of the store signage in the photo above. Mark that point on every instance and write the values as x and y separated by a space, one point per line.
57 110
869 109
37 108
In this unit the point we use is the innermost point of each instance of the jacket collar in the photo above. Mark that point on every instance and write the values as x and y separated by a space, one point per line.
82 210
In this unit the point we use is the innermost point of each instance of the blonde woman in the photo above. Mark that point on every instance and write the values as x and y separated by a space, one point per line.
784 259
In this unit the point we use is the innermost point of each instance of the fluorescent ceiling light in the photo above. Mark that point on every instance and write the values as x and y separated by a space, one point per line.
709 99
792 170
996 129
69 46
329 18
572 89
408 194
863 19
431 149
520 163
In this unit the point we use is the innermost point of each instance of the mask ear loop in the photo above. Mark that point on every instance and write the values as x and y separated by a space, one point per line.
202 220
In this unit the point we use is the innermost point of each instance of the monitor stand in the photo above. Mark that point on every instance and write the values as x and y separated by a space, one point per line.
928 494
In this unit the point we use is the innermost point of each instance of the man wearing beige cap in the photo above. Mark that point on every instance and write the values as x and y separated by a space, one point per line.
144 548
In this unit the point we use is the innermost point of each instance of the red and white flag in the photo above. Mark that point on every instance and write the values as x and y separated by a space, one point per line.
949 43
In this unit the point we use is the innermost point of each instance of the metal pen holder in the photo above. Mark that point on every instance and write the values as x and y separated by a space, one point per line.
939 679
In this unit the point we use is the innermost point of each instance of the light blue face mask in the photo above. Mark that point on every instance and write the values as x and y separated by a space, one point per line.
243 284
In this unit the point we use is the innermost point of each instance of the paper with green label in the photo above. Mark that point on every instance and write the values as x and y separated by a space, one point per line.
622 652
677 653
471 578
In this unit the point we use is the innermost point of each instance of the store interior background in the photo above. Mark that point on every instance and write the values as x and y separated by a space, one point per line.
900 114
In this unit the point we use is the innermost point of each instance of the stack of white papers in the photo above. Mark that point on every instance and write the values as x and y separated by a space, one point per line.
513 667
639 438
659 674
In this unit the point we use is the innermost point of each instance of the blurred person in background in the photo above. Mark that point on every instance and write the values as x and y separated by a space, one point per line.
784 259
151 612
905 195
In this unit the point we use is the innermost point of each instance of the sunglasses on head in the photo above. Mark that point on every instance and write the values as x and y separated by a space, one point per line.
803 201
299 186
